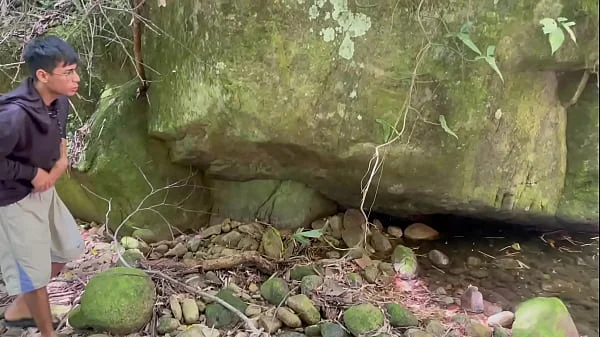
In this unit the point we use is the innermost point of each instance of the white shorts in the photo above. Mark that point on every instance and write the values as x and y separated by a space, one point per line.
35 232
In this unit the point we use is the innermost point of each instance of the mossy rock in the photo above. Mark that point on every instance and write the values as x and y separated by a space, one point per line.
221 317
363 318
400 316
543 317
274 290
404 261
119 300
298 272
331 329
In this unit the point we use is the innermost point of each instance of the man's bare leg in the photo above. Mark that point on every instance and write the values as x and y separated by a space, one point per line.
39 307
19 309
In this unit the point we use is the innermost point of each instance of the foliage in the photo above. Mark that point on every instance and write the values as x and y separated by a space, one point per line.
556 36
489 58
304 236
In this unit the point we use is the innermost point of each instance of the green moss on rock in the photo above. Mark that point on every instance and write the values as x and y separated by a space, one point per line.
543 317
274 290
363 318
119 300
399 316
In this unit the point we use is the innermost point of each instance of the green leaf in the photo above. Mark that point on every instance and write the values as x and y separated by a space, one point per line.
301 239
556 39
570 31
466 26
466 39
445 126
386 129
315 233
491 60
549 25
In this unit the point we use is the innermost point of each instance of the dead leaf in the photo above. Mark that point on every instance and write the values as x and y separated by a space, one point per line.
363 262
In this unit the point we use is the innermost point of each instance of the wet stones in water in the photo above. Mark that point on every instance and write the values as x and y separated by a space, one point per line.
363 318
556 286
507 263
395 231
271 243
479 273
438 258
400 317
288 317
274 290
472 300
381 243
331 329
304 307
420 231
543 317
503 319
310 283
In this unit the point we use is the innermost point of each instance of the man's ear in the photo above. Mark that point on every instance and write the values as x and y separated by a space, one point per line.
42 75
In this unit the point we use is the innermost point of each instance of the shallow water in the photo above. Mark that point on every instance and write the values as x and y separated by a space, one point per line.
569 270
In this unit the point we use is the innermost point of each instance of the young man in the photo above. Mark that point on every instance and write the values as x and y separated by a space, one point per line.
38 235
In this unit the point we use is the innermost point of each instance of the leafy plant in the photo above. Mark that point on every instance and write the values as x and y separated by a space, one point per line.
387 129
556 36
304 237
445 127
489 57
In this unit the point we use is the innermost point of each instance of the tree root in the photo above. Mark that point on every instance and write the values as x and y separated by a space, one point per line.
582 83
250 258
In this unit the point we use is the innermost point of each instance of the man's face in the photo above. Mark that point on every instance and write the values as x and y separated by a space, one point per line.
63 80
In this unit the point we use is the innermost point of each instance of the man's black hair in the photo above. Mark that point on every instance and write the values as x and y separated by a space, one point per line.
47 53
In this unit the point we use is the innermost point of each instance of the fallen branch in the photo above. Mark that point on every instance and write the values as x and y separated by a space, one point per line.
250 258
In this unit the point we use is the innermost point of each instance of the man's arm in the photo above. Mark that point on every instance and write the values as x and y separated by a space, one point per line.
62 163
10 127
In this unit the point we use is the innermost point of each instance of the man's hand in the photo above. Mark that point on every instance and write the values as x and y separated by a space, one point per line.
59 168
42 181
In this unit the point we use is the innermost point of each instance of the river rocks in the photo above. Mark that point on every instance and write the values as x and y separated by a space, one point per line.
476 329
119 300
304 307
298 272
190 311
288 317
210 231
395 231
399 316
543 317
175 307
166 325
131 257
404 261
501 332
128 242
503 319
416 333
381 243
472 300
271 244
436 329
420 231
178 251
230 240
438 258
219 316
310 283
145 234
331 329
269 323
363 318
193 244
354 227
354 279
274 290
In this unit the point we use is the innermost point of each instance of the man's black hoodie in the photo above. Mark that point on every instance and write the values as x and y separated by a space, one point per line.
30 137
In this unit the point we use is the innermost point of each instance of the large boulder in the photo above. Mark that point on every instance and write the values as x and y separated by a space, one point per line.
299 90
119 300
